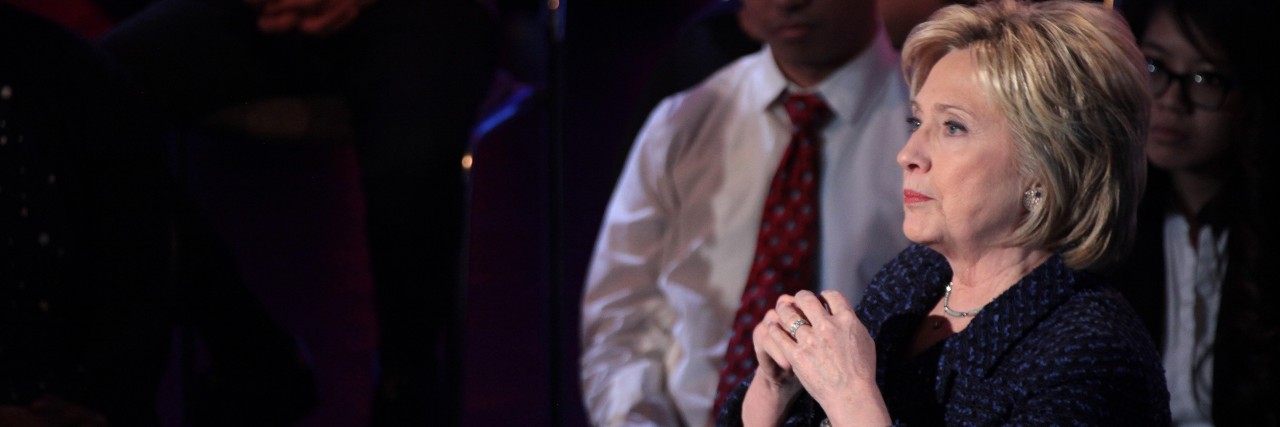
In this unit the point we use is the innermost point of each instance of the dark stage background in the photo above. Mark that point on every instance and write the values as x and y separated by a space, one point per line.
546 152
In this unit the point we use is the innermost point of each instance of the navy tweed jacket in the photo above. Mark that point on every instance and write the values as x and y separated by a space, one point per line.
1058 348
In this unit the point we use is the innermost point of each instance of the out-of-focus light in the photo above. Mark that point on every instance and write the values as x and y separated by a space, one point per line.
466 161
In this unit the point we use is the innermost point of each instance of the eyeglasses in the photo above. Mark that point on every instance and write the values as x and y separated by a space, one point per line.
1204 90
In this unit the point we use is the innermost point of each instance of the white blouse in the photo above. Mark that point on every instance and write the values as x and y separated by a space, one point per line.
1193 283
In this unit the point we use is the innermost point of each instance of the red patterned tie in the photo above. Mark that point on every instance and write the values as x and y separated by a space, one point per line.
787 247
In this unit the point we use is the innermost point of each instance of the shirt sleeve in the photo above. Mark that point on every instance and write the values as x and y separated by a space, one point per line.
626 318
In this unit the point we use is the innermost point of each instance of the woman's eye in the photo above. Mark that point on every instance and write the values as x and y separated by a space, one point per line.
1209 79
954 128
914 123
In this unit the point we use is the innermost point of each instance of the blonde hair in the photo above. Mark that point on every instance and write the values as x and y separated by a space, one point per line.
1072 83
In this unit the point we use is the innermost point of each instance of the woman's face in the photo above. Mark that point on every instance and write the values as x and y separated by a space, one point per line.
961 187
1185 136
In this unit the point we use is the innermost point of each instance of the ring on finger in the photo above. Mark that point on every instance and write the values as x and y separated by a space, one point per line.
795 326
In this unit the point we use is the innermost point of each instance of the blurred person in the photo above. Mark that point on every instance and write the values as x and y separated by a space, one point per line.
77 302
103 258
411 74
1023 172
802 129
1202 277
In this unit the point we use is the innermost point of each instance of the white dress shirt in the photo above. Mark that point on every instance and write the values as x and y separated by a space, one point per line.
680 230
1194 287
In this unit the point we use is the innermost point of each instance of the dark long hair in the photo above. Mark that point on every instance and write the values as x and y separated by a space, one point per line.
1247 353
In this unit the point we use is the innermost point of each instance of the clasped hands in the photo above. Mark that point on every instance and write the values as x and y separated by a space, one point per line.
831 356
311 17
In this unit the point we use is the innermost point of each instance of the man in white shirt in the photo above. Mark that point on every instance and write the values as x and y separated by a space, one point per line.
679 235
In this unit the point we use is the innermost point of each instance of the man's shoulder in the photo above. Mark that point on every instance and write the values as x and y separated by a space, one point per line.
725 85
719 96
734 72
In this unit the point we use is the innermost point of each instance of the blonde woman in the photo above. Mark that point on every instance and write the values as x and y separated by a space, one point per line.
1023 172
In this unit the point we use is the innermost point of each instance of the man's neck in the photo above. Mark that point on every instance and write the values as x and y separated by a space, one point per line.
809 72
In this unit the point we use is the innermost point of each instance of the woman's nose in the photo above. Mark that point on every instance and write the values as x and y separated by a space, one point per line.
910 158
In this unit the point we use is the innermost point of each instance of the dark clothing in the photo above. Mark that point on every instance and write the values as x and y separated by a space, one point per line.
87 221
102 256
1246 365
915 378
1057 348
412 74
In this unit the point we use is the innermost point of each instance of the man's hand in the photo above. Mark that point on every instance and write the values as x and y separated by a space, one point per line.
312 17
58 412
19 416
50 411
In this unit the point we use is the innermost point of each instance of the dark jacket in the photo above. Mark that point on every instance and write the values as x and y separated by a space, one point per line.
106 256
1058 348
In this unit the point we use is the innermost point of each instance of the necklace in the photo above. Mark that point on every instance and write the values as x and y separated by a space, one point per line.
946 306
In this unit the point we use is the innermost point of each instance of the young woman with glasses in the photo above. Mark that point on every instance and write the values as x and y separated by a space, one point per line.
1203 274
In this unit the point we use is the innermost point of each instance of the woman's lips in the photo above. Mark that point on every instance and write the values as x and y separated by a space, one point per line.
909 197
1165 134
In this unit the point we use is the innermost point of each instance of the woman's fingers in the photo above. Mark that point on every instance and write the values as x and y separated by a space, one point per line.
768 354
806 310
782 346
760 336
785 300
836 302
812 307
791 319
830 350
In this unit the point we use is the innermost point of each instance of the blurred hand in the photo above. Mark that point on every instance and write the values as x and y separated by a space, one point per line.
50 411
312 17
19 416
60 413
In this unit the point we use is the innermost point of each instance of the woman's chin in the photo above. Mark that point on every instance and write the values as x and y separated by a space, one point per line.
1174 158
917 235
